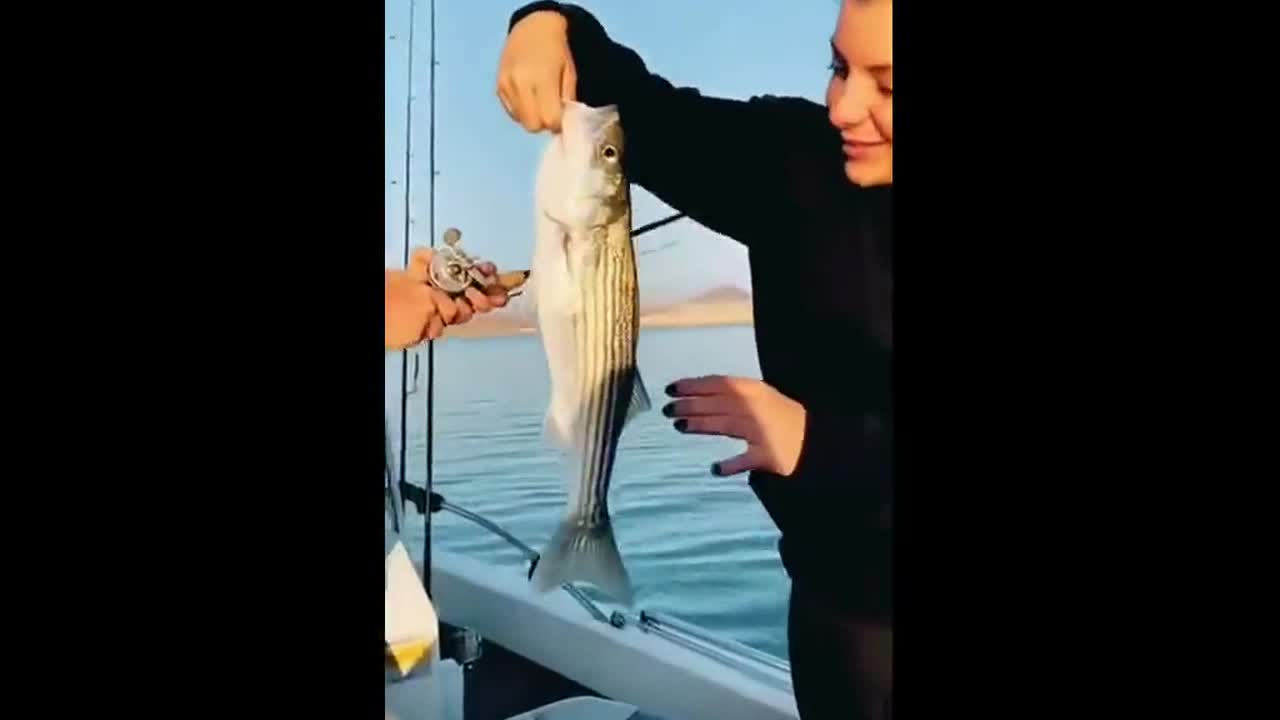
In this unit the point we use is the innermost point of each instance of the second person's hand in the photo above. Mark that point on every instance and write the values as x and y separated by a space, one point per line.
415 311
460 309
536 74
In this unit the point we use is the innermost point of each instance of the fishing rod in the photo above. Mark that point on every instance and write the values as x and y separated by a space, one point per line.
408 491
656 224
408 180
431 346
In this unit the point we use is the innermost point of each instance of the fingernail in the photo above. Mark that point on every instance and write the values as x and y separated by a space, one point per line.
671 389
715 469
669 409
681 424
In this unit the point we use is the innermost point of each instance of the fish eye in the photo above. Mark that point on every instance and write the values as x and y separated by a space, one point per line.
609 152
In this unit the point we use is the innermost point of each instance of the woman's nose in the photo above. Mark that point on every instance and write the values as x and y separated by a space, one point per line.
853 105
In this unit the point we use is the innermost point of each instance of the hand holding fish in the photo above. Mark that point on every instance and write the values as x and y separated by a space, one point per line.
536 74
415 311
771 423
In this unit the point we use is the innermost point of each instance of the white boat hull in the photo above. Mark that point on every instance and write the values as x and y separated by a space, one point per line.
631 665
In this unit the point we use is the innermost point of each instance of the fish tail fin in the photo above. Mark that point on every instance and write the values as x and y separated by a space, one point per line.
583 553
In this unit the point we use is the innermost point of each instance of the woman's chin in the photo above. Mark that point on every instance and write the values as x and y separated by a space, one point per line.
864 173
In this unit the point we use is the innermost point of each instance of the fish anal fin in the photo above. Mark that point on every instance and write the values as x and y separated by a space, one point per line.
639 398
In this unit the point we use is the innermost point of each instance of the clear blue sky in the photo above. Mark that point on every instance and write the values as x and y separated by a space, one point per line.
486 163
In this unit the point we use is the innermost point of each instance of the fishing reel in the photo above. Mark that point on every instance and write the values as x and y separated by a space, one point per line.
452 270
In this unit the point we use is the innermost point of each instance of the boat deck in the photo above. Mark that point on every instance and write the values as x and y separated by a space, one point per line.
501 684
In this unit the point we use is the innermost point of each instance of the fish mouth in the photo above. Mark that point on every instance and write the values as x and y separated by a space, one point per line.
586 120
583 107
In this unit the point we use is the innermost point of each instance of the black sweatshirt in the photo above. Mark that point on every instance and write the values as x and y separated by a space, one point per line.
768 172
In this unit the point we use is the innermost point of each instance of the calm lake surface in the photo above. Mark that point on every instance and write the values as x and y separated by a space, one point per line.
697 546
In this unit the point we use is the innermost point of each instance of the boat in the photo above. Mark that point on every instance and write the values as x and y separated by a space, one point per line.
501 650
505 651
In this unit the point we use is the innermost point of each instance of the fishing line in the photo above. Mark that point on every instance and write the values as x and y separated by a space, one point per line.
670 244
654 226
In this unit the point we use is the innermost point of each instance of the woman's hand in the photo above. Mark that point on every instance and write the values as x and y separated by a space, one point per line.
536 74
771 423
415 311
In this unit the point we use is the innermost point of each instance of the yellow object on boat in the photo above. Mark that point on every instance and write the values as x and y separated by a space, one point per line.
410 622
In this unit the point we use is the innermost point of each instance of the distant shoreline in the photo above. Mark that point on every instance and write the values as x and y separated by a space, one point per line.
693 314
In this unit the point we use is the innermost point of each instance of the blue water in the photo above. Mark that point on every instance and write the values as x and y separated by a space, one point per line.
697 546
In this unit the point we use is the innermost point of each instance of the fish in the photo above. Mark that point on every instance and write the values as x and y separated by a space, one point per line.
586 295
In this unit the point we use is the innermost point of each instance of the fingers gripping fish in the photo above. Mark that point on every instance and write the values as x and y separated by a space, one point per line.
586 294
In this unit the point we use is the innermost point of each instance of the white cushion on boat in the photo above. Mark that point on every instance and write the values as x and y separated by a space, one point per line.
409 618
580 708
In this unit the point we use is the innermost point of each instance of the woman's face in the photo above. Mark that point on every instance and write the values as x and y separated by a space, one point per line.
860 95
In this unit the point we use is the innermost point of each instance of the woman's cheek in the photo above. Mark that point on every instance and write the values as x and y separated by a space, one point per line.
882 116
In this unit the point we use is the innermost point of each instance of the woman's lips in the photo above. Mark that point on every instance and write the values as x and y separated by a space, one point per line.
856 149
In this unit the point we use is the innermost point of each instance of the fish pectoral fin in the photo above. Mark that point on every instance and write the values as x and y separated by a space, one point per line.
555 427
550 278
639 398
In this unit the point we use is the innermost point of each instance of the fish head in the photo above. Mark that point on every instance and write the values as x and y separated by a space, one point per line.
592 147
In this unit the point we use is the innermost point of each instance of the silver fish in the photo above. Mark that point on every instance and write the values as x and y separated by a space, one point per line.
585 290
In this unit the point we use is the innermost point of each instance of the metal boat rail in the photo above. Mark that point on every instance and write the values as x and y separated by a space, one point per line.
726 651
439 503
668 625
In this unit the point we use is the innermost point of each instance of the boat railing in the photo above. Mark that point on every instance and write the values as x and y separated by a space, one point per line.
439 503
724 650
669 626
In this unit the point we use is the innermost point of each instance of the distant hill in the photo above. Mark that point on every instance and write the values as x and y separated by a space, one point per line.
724 305
724 293
498 323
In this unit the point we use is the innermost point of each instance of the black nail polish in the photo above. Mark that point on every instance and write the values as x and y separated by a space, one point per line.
669 409
681 424
715 469
671 389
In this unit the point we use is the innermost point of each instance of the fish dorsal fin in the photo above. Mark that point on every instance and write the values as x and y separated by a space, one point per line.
639 398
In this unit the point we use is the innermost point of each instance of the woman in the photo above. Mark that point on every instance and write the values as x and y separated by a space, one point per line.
808 190
414 311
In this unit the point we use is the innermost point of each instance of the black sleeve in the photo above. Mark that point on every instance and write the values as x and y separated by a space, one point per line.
846 451
721 162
